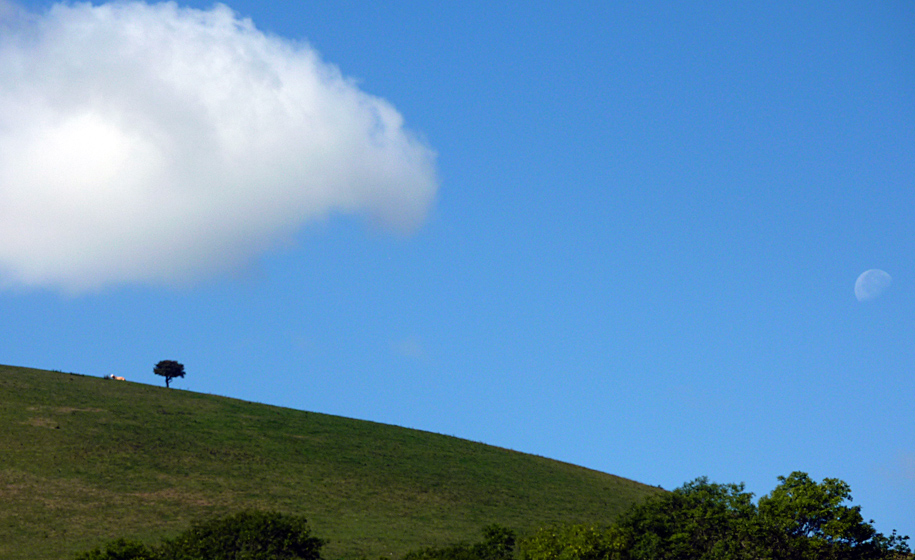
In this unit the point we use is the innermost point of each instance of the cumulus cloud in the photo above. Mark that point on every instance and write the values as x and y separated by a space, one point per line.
158 144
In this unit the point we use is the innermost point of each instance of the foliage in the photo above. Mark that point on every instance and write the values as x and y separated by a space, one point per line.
249 535
800 520
169 369
498 544
574 542
120 549
804 519
701 519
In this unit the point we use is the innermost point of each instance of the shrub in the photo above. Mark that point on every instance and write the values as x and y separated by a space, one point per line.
249 535
574 542
120 549
498 544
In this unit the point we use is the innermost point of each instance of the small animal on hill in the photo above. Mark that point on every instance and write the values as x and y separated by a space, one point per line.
116 378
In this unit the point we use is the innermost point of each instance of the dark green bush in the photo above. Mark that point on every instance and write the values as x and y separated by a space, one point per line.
498 544
249 535
120 549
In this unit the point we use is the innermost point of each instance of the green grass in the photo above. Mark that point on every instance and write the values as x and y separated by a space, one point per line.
84 460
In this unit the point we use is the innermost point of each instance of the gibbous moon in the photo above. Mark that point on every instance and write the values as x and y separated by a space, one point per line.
871 284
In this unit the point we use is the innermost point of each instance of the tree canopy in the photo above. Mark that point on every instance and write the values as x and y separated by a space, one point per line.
248 535
169 369
799 520
805 519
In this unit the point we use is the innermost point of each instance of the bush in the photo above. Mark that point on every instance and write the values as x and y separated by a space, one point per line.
120 549
498 544
574 542
249 535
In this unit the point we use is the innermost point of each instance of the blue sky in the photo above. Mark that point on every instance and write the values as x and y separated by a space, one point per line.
622 235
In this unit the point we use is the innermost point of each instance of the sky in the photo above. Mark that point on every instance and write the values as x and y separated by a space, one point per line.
629 236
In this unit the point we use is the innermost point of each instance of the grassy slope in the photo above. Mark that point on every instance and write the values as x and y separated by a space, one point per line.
84 459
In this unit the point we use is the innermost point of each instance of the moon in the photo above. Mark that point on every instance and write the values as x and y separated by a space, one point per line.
871 284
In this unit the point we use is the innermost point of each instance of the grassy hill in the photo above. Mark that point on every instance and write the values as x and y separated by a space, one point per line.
84 460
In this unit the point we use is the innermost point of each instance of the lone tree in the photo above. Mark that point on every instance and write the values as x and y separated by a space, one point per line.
169 369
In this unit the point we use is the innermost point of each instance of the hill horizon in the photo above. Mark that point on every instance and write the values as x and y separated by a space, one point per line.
87 459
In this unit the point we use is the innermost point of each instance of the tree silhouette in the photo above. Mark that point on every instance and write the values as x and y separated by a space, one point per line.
169 369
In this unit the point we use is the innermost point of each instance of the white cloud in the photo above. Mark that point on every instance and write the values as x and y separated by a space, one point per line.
158 144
